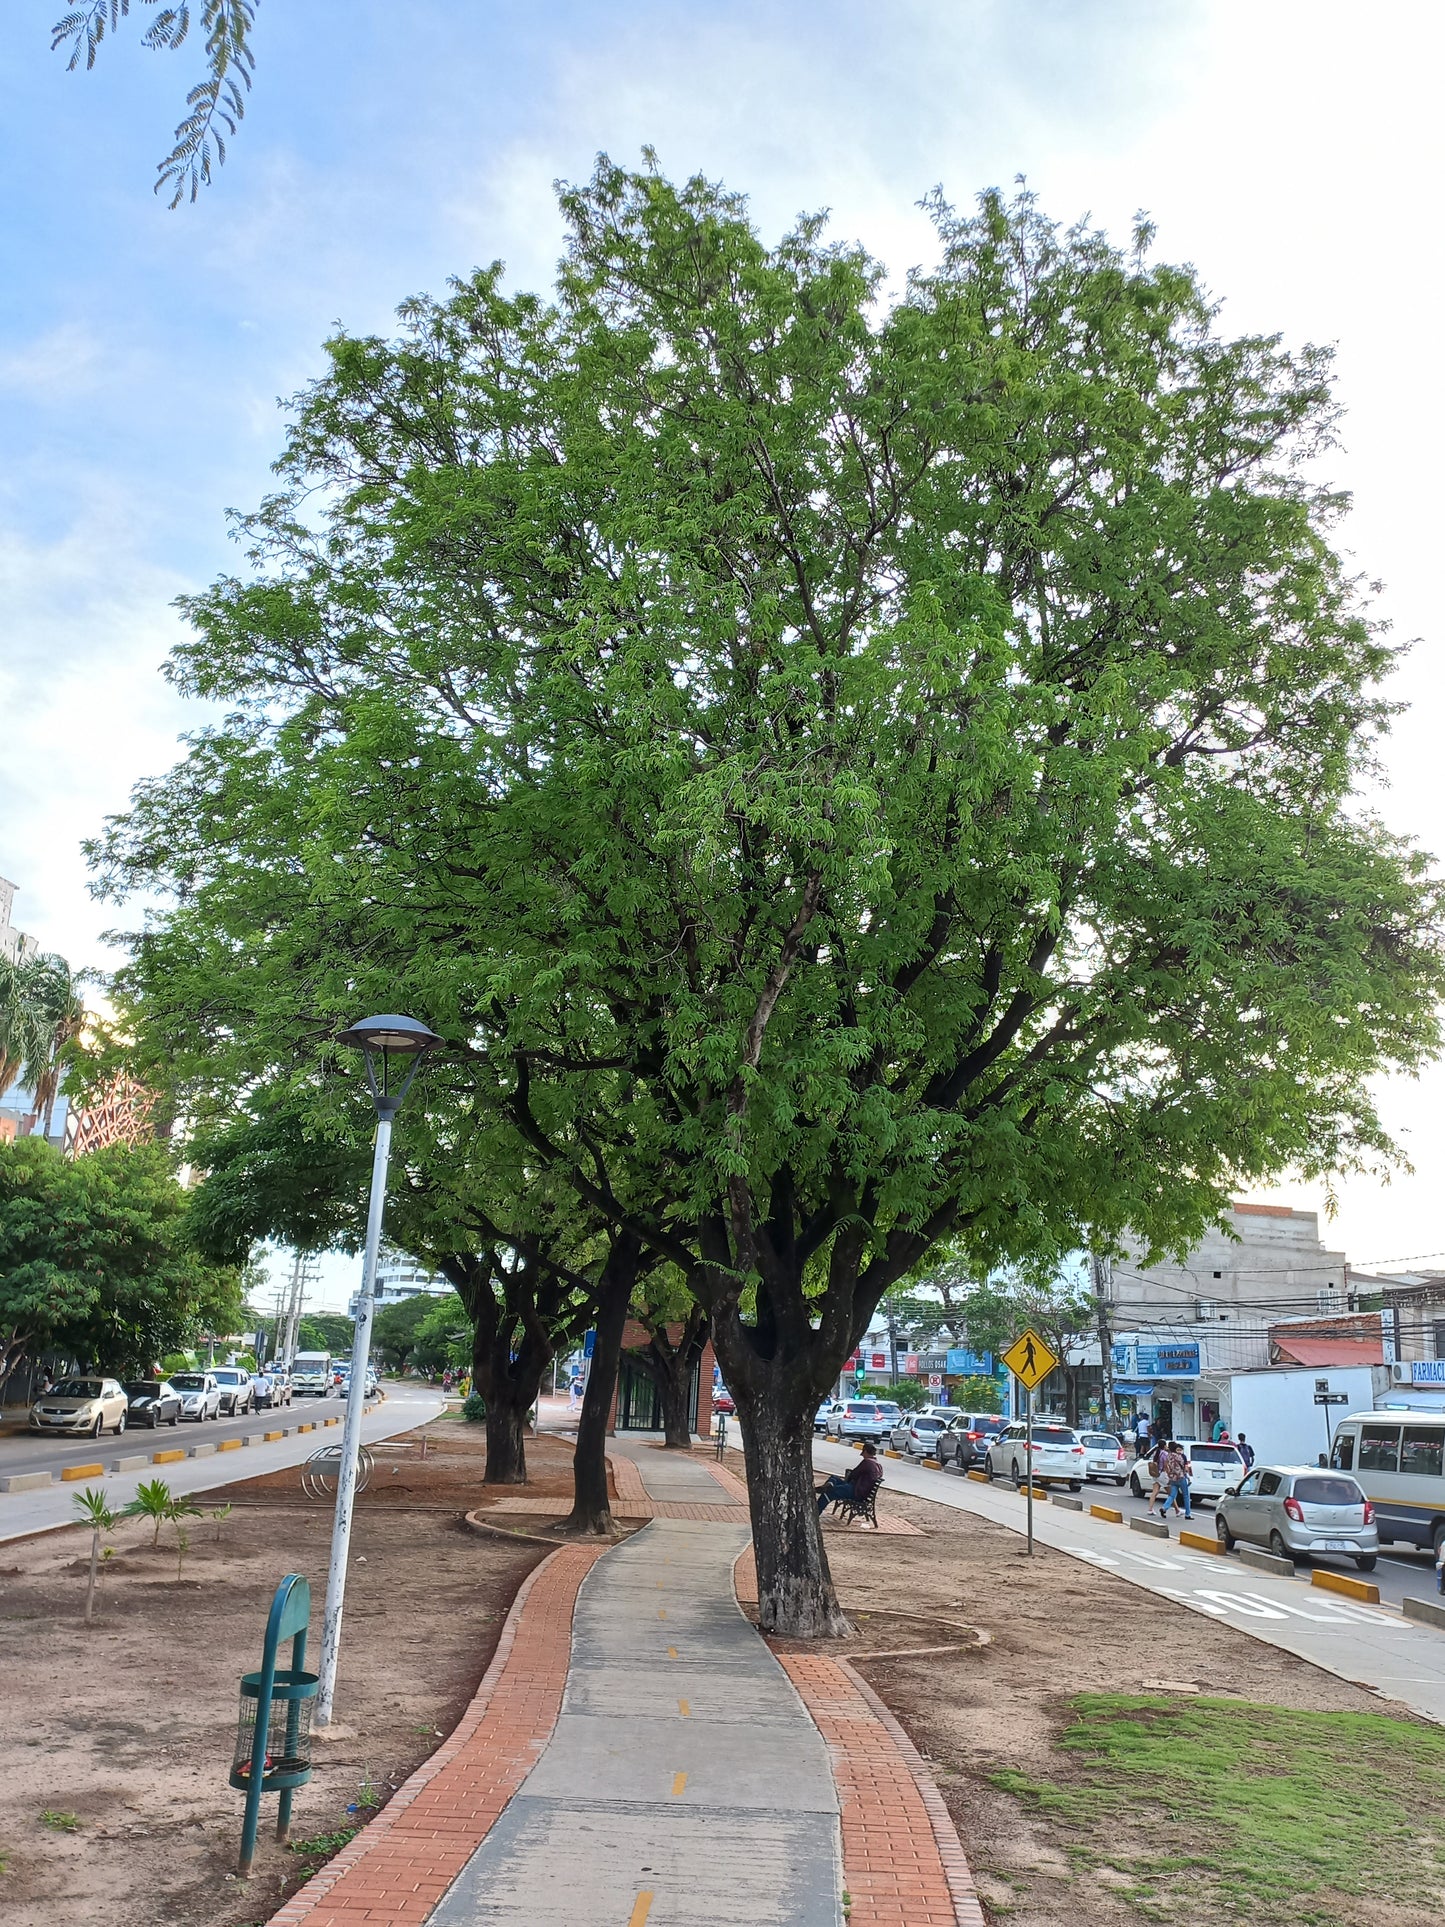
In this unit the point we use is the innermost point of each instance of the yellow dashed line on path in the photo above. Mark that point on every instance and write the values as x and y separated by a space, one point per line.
672 1652
679 1781
684 1708
641 1908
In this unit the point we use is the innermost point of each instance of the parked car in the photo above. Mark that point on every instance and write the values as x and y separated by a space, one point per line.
87 1406
373 1390
271 1387
1298 1511
1212 1469
1106 1457
917 1437
153 1402
891 1411
857 1418
820 1417
722 1401
237 1393
1058 1454
967 1438
280 1379
200 1395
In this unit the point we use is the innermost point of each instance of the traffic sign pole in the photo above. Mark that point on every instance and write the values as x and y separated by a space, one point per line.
1029 1457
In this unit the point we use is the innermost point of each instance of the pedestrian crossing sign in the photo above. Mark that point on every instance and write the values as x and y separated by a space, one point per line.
1029 1359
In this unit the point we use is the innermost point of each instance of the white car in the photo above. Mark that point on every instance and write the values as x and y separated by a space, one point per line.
1059 1454
200 1395
1106 1458
917 1437
238 1391
1212 1470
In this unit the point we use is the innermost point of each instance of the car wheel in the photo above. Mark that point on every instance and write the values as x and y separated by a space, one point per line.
120 1425
1278 1547
1120 1483
1076 1485
1366 1561
95 1429
1134 1485
1222 1532
1017 1477
175 1420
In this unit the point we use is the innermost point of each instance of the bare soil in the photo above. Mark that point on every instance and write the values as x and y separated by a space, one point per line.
1056 1627
121 1732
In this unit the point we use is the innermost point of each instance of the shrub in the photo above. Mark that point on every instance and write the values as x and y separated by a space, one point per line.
474 1408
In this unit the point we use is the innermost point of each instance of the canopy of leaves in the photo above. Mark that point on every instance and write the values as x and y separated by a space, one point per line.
96 1259
842 773
326 1331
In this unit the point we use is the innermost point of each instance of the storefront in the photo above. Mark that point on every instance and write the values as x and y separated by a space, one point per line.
1161 1381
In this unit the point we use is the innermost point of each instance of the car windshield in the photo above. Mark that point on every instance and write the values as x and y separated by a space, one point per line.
224 1376
1322 1491
76 1388
1215 1455
189 1382
929 1424
143 1388
986 1424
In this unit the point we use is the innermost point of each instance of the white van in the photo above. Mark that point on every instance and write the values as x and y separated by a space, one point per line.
311 1375
1398 1457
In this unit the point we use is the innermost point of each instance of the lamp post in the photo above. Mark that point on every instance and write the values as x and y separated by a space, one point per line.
404 1039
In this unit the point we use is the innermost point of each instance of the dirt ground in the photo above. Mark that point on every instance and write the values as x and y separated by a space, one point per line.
1056 1627
114 1805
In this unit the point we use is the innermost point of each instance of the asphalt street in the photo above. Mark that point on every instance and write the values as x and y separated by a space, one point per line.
25 1512
44 1452
1373 1646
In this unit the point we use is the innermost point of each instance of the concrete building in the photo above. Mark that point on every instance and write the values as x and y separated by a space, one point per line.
15 946
398 1277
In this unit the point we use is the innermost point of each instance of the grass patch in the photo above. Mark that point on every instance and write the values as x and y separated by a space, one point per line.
1261 1810
327 1843
60 1822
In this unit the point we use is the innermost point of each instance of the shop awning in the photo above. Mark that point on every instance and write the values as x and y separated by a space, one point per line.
1322 1352
1125 1388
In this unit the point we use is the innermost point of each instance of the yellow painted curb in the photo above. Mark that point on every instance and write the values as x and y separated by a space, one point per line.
83 1472
228 1445
889 1453
331 1421
166 1458
982 1477
272 1435
1340 1582
1200 1541
311 1427
1110 1512
1040 1492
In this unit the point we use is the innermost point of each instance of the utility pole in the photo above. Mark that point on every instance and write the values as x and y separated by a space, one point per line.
893 1345
1100 1267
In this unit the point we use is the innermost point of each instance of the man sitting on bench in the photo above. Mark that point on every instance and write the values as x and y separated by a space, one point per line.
855 1487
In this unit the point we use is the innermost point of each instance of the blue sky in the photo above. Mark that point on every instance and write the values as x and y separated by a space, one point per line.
1292 151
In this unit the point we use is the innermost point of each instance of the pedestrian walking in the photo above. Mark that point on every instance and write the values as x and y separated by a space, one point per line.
1158 1478
1141 1435
1246 1451
1174 1477
1440 1567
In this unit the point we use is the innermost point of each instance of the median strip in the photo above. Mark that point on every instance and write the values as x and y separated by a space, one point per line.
1263 1561
1109 1512
1430 1611
1341 1582
26 1481
228 1445
1155 1528
268 1436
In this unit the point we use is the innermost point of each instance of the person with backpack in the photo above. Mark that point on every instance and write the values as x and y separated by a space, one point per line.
1174 1477
1246 1452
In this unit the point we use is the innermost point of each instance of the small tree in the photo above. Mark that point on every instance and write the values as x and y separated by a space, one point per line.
152 1501
94 1512
979 1395
910 1394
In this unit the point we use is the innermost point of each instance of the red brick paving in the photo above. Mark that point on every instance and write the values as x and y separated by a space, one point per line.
902 1862
397 1868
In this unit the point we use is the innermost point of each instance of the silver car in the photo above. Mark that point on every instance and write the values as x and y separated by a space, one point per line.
1298 1511
200 1395
917 1437
858 1418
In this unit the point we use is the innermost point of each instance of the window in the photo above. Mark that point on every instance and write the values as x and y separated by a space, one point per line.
1249 1489
1422 1449
1269 1484
1319 1490
1214 1455
1379 1448
1343 1457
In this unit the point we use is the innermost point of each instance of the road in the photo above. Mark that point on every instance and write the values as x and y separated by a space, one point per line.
1373 1646
25 1512
44 1452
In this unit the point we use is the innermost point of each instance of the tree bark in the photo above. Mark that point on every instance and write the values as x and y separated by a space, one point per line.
508 1404
795 1587
671 1367
674 1383
591 1511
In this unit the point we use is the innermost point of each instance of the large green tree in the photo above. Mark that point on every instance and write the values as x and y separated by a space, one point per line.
96 1259
844 771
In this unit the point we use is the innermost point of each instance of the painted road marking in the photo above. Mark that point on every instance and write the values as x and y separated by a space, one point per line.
1219 1603
641 1908
684 1708
679 1781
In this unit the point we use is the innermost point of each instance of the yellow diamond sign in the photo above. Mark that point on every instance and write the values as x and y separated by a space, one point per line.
1029 1359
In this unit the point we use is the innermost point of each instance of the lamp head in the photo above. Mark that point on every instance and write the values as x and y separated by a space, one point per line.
390 1035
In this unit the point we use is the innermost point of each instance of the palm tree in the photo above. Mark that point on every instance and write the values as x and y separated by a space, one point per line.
41 1013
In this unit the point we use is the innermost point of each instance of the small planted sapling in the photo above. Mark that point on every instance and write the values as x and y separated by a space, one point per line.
152 1501
95 1513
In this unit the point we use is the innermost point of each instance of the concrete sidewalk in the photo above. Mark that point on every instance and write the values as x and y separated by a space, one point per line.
636 1755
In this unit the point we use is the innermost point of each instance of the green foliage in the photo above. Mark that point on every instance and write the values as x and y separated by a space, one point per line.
1059 1309
94 1509
217 103
444 1336
855 775
96 1258
396 1329
178 1362
41 1015
325 1843
1251 1811
911 1394
60 1822
474 1408
326 1331
977 1395
152 1501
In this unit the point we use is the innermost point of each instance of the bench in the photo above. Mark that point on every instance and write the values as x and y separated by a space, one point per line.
866 1509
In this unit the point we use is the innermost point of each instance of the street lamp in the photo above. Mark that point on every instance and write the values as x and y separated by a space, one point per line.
383 1038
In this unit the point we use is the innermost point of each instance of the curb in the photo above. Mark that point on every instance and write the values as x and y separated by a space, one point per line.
167 1458
1264 1561
1352 1588
71 1472
1069 1504
1430 1611
27 1481
1155 1528
131 1464
1200 1542
1110 1512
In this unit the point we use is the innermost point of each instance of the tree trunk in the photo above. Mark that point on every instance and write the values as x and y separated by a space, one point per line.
506 1437
674 1383
591 1511
795 1588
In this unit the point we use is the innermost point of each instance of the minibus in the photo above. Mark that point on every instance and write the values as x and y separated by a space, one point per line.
1398 1457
